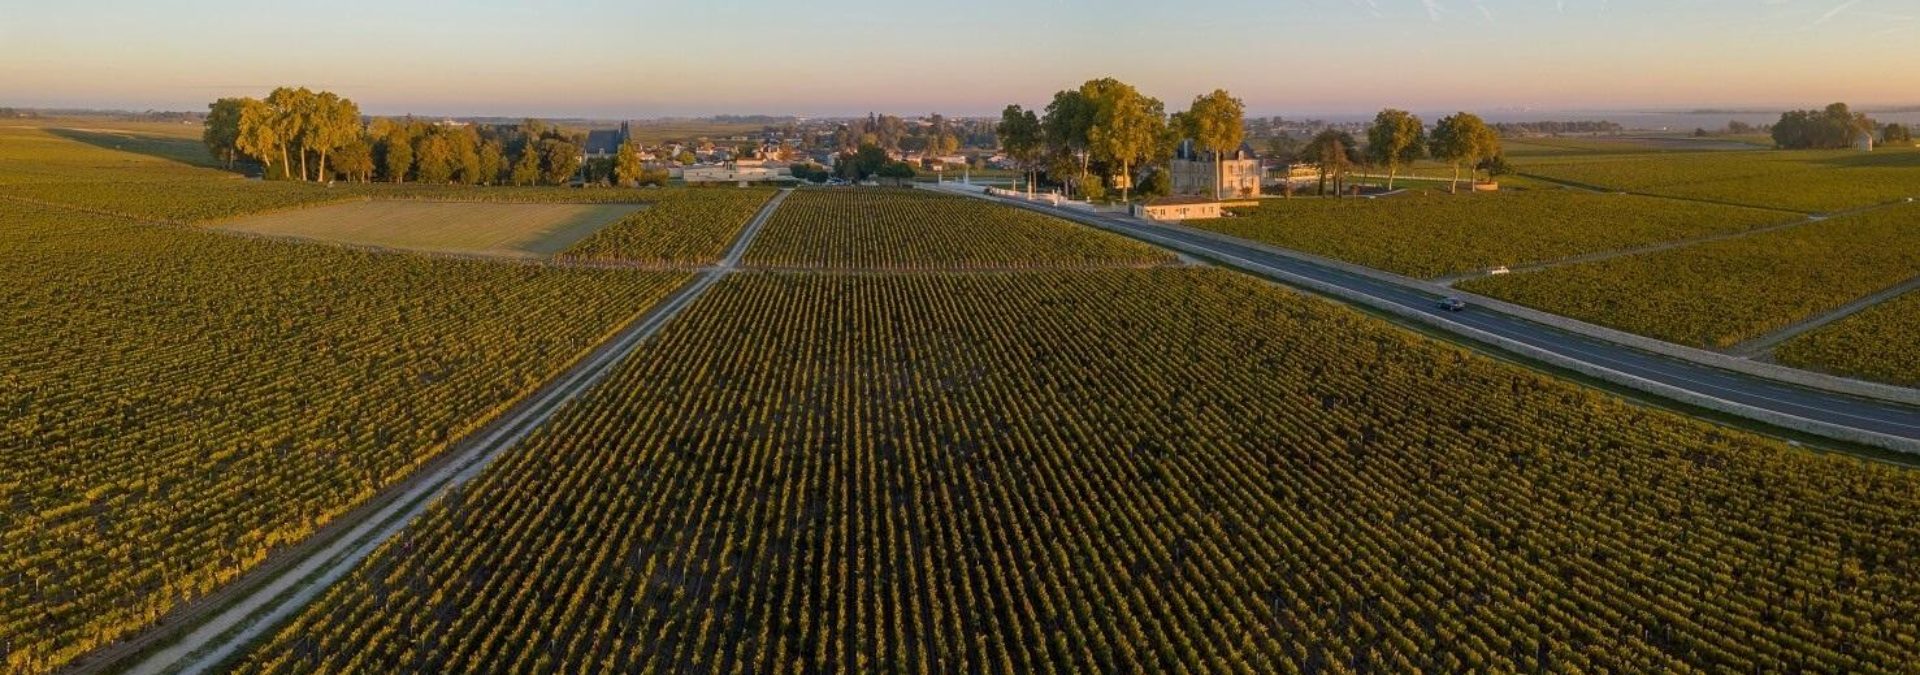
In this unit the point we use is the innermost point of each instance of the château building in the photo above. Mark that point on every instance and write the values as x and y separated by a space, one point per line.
1194 172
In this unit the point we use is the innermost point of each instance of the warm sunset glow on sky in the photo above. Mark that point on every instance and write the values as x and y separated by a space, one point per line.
695 57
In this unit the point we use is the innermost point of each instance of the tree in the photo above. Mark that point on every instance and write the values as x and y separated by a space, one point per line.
466 155
355 159
526 169
1895 132
626 163
1397 138
1462 139
492 160
899 172
259 135
559 159
1126 128
222 134
433 158
292 109
1066 123
331 121
1332 152
395 148
1218 123
1021 138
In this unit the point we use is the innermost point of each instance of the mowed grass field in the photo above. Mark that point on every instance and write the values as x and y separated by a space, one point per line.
503 229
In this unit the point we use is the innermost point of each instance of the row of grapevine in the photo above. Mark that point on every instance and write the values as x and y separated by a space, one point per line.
1880 343
889 229
1720 293
175 403
679 227
1428 234
1160 470
1801 180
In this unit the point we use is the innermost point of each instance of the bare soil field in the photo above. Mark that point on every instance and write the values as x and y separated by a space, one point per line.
502 229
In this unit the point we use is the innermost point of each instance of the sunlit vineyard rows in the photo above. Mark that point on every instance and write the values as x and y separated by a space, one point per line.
175 403
678 227
1718 294
1162 470
1880 343
1811 181
919 229
1428 234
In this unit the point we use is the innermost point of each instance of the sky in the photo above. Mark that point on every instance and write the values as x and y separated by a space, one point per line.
700 57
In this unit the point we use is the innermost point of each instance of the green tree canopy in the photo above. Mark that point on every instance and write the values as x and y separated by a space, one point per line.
1463 139
1217 122
1395 139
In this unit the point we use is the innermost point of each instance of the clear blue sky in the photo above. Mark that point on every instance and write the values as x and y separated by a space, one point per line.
695 57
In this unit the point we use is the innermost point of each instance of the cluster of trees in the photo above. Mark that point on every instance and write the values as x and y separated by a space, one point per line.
1095 136
1835 127
292 133
1895 132
1099 135
869 161
939 136
1395 139
300 134
1511 129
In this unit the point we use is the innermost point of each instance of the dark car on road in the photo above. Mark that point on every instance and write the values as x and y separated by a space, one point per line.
1451 304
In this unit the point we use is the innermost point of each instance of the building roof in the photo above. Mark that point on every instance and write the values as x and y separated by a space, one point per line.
603 141
1188 150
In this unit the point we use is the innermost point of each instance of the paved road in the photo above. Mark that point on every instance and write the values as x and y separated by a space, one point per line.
1900 424
222 635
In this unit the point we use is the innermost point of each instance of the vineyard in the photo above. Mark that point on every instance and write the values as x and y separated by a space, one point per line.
1880 343
1720 293
918 229
1810 181
679 227
176 403
1158 470
1429 235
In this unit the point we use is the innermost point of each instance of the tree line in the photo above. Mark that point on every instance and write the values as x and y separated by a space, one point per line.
1833 128
1097 137
300 134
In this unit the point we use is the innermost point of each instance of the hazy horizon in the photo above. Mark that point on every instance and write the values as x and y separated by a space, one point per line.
601 60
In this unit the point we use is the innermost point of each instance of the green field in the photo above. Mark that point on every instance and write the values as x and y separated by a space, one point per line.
1720 293
920 229
519 230
1432 234
1880 343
